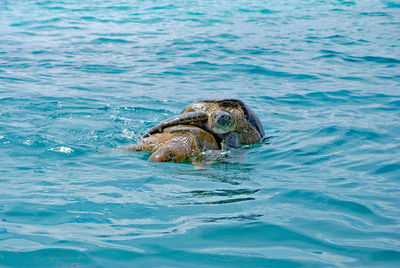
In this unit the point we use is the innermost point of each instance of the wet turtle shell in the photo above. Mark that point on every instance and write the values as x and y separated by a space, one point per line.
247 128
228 104
176 143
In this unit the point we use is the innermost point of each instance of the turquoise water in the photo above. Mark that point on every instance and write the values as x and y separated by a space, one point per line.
80 77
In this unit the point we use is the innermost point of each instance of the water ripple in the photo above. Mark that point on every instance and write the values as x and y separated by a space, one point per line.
78 79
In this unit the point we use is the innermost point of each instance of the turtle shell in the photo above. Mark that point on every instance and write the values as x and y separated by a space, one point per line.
251 117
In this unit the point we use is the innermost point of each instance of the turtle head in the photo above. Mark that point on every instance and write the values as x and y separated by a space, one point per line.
222 122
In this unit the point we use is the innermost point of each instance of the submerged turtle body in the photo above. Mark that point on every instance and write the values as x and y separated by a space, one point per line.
176 143
231 121
210 124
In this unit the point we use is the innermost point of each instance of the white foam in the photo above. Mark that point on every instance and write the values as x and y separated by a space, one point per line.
62 149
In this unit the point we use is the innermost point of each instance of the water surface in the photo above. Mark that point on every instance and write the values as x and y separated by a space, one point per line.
80 77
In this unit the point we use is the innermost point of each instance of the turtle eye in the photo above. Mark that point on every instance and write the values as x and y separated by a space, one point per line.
222 122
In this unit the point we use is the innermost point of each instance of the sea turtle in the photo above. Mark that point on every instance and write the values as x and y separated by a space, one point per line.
231 121
176 143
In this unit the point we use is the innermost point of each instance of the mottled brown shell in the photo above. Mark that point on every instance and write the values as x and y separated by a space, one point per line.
176 143
204 140
248 127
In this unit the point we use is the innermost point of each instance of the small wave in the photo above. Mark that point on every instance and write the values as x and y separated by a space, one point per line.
228 36
224 192
376 59
349 58
323 202
119 7
268 11
391 4
102 40
253 69
353 78
380 59
163 7
374 14
61 149
393 168
60 256
102 68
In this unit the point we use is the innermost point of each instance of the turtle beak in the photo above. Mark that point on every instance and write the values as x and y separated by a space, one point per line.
184 118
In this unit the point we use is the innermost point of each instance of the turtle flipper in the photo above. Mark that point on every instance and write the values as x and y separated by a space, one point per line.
149 144
230 141
137 147
183 118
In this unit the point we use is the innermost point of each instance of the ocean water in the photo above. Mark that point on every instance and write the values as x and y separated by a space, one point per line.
78 78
